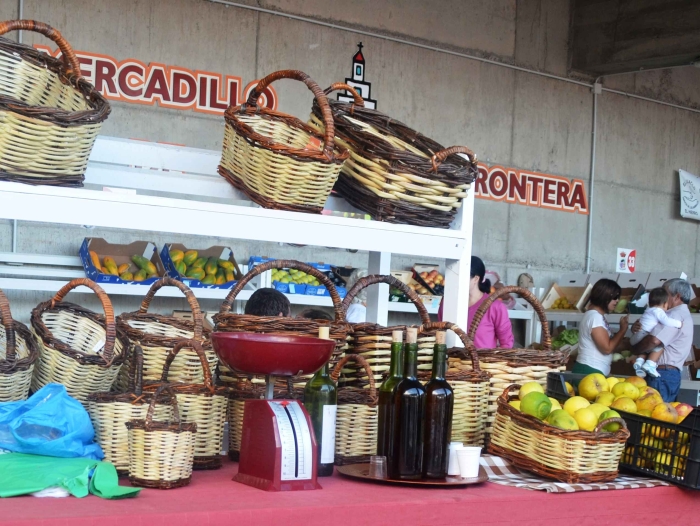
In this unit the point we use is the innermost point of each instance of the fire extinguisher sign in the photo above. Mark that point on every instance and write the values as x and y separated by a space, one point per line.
626 260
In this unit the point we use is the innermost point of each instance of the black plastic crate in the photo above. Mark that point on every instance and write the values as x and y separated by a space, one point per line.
556 387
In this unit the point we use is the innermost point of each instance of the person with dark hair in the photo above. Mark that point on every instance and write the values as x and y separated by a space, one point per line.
677 343
596 343
655 314
315 314
495 329
268 302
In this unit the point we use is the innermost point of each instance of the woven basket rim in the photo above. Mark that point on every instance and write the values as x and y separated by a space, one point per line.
156 340
169 427
22 364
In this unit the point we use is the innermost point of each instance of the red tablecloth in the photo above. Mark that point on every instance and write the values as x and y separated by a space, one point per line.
213 498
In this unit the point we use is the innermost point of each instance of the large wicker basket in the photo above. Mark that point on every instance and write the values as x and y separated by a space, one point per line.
77 347
394 173
161 453
511 366
276 159
574 457
110 411
18 352
373 341
50 114
157 334
200 403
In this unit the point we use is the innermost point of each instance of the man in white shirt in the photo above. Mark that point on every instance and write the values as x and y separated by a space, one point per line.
677 343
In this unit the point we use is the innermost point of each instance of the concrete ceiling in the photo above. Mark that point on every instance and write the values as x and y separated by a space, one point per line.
615 36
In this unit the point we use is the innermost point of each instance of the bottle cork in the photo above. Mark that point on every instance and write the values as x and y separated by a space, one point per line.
397 336
324 333
411 335
440 337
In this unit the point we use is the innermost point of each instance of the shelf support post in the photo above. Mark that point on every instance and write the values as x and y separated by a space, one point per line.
378 295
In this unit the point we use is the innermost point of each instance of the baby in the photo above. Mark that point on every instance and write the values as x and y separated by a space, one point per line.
654 314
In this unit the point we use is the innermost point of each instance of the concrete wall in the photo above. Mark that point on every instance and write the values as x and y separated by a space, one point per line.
508 117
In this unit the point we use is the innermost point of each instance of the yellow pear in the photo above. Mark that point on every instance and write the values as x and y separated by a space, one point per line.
605 399
612 381
515 403
570 389
530 387
665 413
575 403
649 401
636 381
623 403
555 403
592 385
626 389
644 412
612 426
586 419
563 420
598 409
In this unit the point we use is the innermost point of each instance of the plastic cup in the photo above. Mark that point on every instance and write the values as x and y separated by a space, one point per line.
453 465
377 467
468 459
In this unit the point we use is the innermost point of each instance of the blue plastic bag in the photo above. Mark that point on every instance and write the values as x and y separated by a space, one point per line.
49 423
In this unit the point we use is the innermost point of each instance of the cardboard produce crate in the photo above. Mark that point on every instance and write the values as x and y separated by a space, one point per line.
121 255
576 296
217 251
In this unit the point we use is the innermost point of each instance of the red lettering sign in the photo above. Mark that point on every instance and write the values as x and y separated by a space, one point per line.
531 189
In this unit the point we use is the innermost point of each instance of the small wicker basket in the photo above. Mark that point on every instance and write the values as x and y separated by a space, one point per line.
394 173
276 159
574 457
161 454
50 114
77 347
200 403
18 352
510 366
111 411
157 334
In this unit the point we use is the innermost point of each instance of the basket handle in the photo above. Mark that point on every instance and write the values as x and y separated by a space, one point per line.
363 363
391 280
527 296
8 323
286 263
329 133
194 304
599 428
152 405
199 350
136 380
440 156
69 57
110 327
357 98
466 340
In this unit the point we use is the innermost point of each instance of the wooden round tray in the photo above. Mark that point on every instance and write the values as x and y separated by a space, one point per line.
361 472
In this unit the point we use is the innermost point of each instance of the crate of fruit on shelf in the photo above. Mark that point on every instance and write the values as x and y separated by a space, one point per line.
406 277
137 263
664 439
214 267
294 281
567 297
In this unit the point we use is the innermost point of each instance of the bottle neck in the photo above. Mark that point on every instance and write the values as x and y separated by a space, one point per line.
439 362
396 359
411 360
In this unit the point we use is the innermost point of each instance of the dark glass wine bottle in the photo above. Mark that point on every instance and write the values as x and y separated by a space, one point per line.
386 413
409 404
439 403
321 402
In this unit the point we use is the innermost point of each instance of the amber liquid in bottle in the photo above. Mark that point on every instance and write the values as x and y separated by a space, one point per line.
439 404
409 403
386 413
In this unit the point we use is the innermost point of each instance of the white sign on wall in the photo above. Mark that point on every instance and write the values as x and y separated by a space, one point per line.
626 260
690 195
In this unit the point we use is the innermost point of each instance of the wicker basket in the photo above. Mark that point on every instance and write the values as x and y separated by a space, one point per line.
161 453
373 341
276 159
574 457
110 412
157 335
356 420
200 403
50 114
471 388
227 321
18 352
510 366
77 347
394 173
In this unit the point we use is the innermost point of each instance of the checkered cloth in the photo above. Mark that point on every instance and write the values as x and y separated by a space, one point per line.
501 471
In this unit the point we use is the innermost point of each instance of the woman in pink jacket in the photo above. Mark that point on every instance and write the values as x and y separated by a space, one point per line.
495 330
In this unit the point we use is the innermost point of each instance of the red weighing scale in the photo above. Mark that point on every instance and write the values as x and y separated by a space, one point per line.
278 448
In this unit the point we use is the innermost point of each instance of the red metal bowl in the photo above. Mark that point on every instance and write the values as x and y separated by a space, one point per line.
278 355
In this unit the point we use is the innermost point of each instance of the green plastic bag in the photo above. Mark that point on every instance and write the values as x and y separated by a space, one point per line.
25 474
